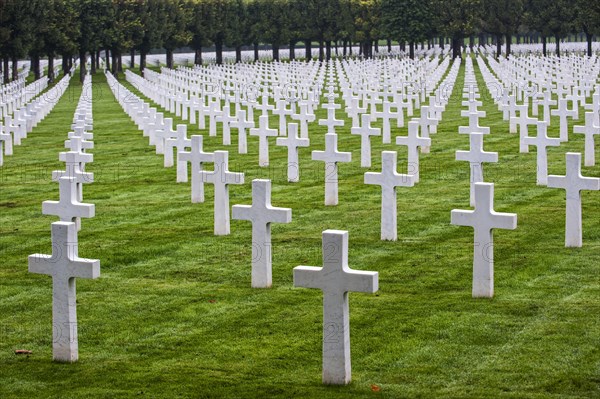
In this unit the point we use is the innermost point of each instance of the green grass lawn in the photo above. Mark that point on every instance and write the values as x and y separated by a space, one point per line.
173 314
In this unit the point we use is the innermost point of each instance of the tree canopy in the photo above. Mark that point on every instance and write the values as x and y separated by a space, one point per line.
67 28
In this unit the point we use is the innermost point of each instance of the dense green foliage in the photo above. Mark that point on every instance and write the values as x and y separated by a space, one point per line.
48 28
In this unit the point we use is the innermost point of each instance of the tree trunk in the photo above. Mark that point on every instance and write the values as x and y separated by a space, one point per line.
308 50
471 41
107 58
115 65
5 69
544 43
376 45
132 58
411 50
219 52
345 47
403 46
335 43
65 64
256 51
498 46
441 41
142 60
508 44
120 60
292 50
321 52
51 68
275 47
81 66
328 50
389 45
15 68
35 66
93 63
170 58
97 55
456 47
198 56
588 38
238 54
557 38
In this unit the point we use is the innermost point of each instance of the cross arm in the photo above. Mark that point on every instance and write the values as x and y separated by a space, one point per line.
361 281
242 212
84 268
40 264
308 277
280 215
507 221
462 218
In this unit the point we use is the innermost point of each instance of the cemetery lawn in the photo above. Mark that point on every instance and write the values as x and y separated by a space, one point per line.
173 314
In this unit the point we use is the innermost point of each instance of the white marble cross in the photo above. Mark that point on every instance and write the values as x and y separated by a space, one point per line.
542 142
386 115
261 214
425 122
73 168
6 142
546 103
164 132
293 142
242 124
365 132
196 157
64 265
226 119
331 122
476 156
523 121
473 123
413 141
78 144
389 179
573 182
563 112
331 156
263 132
282 111
214 111
589 130
483 220
336 280
264 106
68 208
221 178
304 116
180 143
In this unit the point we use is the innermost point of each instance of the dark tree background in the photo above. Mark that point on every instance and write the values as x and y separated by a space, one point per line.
40 29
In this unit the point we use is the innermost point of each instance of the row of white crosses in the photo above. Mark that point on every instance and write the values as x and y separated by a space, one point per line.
64 264
483 218
335 278
571 80
16 95
15 127
389 178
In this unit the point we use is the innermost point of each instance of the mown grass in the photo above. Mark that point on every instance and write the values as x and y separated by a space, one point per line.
173 314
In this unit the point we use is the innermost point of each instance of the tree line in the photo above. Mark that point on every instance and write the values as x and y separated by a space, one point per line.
82 28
